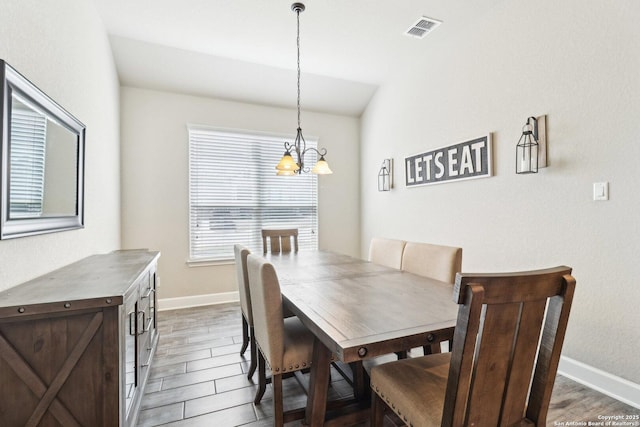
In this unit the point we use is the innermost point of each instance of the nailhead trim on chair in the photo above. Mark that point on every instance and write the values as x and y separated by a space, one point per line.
392 406
291 368
284 370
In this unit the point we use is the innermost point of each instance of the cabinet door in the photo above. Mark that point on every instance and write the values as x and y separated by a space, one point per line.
147 311
56 369
131 358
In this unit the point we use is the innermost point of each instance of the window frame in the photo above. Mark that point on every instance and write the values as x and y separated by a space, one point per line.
264 213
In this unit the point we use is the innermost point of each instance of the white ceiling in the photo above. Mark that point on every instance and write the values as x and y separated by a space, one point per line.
245 50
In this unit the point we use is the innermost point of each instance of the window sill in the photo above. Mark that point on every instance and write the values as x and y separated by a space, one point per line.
208 262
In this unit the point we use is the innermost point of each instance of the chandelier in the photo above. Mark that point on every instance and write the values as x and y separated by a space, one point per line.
288 165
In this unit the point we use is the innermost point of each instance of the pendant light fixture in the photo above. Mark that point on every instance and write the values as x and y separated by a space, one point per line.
288 165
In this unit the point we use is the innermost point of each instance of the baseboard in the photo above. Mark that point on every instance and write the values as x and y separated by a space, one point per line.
620 389
197 300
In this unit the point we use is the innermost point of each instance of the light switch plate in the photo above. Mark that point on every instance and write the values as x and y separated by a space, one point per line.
600 191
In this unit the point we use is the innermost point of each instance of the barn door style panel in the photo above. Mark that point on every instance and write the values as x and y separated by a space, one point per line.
48 365
76 344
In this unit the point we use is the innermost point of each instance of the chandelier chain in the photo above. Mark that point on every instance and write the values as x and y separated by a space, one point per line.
298 44
288 165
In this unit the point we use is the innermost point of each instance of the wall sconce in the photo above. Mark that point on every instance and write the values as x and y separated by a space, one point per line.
531 150
385 176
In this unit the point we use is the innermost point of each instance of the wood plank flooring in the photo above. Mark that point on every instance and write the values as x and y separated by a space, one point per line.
198 379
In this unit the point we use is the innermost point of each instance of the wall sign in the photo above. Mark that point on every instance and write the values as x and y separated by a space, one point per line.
466 160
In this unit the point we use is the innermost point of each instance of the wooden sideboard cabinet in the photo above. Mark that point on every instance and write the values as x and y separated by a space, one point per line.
76 343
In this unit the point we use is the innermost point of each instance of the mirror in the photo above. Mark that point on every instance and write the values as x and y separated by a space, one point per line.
42 161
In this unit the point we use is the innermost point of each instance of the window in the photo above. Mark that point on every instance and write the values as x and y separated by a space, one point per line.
28 141
234 193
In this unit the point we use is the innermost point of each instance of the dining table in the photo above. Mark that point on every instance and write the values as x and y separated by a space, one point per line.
359 310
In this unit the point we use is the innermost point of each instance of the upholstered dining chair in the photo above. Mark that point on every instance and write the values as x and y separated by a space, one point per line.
387 252
506 349
279 240
285 344
436 261
242 276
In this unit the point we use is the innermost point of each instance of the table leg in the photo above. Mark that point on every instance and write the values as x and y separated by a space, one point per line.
318 385
360 384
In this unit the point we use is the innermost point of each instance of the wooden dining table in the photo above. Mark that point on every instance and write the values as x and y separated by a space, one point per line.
359 310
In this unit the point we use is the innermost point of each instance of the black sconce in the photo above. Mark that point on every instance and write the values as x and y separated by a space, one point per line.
531 153
385 175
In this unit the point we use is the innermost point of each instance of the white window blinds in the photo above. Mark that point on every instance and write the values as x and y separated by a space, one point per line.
235 193
28 143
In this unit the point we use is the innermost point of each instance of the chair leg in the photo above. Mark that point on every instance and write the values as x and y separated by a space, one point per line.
262 379
377 410
245 335
254 353
278 404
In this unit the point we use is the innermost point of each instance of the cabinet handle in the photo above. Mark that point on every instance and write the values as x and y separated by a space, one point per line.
144 365
132 323
144 320
149 323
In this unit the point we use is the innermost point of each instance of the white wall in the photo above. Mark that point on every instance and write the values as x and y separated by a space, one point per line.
580 66
62 48
155 211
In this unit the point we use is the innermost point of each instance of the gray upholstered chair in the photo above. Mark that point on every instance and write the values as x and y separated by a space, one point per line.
506 350
436 261
280 240
285 344
387 252
241 254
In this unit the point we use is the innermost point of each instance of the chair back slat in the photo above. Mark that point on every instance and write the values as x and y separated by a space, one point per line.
493 357
491 373
461 365
275 244
524 355
285 245
279 240
555 327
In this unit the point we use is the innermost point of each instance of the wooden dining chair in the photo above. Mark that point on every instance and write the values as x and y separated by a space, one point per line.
285 344
387 252
279 240
436 261
248 336
506 350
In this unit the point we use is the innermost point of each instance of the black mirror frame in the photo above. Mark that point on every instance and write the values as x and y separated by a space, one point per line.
12 81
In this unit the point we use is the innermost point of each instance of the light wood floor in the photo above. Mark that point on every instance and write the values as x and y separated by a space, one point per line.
198 379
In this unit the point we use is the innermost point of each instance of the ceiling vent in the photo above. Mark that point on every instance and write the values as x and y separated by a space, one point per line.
422 27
